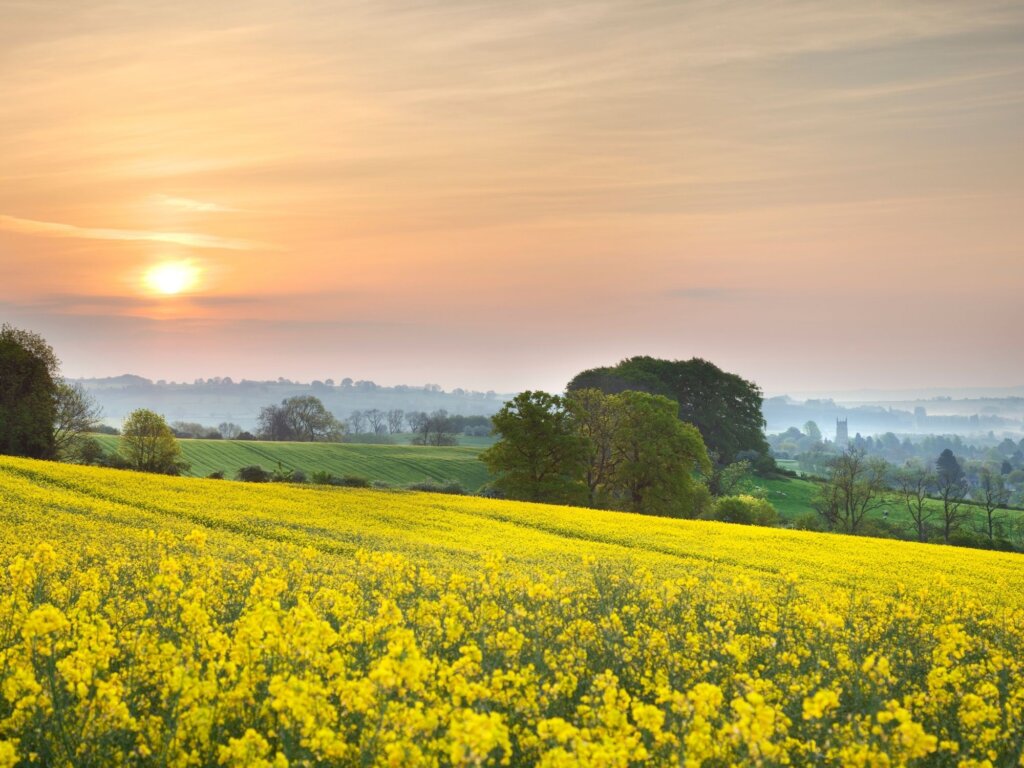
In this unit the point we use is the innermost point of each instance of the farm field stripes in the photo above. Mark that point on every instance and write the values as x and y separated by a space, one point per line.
396 464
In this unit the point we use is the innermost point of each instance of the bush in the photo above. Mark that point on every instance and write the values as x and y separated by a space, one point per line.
353 481
88 451
218 475
428 486
322 477
253 474
809 521
703 502
880 528
745 510
968 539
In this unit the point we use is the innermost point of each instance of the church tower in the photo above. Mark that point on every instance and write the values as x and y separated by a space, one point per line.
842 433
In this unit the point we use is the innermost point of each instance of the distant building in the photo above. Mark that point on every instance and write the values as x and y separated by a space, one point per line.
842 433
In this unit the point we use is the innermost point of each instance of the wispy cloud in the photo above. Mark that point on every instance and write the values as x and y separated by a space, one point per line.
188 204
57 229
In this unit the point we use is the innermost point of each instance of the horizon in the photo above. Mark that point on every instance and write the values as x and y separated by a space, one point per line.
821 197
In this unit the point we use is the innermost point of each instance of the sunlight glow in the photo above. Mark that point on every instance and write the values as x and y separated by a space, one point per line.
172 278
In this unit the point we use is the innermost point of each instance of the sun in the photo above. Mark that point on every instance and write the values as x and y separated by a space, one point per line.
172 277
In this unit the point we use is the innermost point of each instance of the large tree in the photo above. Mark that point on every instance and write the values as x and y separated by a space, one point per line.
149 445
540 454
723 406
654 455
27 398
309 419
302 418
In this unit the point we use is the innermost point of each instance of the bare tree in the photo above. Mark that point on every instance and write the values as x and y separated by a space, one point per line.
395 418
76 413
377 420
357 422
434 429
992 495
914 482
415 420
228 430
856 487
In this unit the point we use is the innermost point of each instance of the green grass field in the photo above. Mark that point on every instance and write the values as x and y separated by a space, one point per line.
393 464
793 497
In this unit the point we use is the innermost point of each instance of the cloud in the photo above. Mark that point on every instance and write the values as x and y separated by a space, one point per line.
199 206
189 239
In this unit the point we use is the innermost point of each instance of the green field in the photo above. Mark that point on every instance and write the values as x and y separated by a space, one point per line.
403 464
392 464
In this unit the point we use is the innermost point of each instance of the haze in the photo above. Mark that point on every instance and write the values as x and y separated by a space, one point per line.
815 195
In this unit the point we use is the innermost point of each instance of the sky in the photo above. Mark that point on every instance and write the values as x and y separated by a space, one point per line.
497 195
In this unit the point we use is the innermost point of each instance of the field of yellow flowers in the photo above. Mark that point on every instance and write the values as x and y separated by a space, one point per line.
161 621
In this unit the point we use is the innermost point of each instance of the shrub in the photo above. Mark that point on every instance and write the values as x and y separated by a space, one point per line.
217 475
353 481
881 528
429 486
968 539
88 451
253 474
703 502
809 521
746 510
322 477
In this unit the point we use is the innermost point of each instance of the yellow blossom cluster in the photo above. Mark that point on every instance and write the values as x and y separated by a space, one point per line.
156 621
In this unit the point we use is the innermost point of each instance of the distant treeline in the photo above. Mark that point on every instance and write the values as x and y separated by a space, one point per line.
304 418
216 401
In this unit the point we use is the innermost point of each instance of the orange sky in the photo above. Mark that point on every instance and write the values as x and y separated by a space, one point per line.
495 195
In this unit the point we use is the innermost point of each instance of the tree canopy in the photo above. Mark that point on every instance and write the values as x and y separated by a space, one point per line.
302 418
625 451
27 398
149 445
540 455
724 407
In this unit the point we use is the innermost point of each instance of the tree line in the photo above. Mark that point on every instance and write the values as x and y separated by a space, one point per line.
938 498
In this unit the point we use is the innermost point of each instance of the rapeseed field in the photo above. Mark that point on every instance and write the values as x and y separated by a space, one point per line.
160 621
